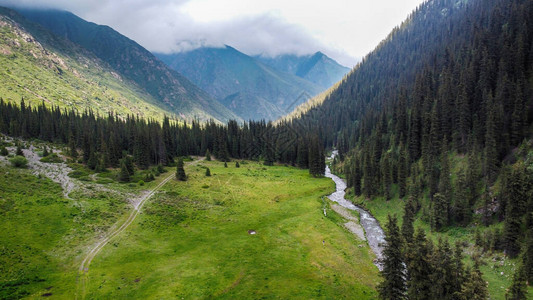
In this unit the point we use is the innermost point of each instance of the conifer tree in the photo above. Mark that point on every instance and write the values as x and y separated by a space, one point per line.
420 269
225 164
180 172
475 286
393 285
237 164
207 155
440 212
408 220
207 172
518 288
124 175
45 151
515 190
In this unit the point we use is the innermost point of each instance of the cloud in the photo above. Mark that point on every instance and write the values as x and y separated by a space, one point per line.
251 27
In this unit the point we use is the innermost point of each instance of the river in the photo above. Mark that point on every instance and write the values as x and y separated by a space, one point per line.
373 231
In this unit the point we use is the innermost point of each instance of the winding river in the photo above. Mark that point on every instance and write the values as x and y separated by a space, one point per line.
374 234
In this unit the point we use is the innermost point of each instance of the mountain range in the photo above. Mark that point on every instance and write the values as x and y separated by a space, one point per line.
106 71
256 87
123 75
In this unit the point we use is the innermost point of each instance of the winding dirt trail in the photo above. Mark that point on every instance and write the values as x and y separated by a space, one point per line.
83 270
84 267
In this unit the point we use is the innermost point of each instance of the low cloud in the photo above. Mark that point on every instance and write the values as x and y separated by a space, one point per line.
163 26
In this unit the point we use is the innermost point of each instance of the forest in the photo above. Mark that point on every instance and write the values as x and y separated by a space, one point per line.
439 116
109 142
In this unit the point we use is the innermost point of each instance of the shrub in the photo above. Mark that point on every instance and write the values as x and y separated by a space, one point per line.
3 151
141 182
19 161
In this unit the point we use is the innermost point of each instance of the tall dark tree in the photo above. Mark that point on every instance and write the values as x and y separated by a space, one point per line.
393 273
180 171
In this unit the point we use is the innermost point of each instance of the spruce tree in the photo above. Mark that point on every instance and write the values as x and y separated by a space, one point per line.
393 273
225 164
475 287
207 155
207 172
518 288
517 198
180 172
124 175
440 212
237 164
420 269
408 220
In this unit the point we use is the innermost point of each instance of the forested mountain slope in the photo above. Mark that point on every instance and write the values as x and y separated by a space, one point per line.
242 83
130 60
440 114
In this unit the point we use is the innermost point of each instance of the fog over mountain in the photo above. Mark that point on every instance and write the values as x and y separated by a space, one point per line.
256 28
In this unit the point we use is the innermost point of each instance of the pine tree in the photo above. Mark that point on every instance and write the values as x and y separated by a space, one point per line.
440 212
207 172
408 220
402 171
518 288
393 285
180 172
419 268
518 196
475 287
124 175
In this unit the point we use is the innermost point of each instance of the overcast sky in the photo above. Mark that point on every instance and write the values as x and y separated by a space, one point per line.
345 30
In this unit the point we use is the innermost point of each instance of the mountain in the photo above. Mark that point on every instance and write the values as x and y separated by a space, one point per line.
129 60
436 125
242 83
317 68
40 67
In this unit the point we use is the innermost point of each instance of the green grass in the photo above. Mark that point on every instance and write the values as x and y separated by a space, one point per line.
43 235
192 241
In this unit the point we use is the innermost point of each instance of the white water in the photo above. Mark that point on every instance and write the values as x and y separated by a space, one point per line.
374 234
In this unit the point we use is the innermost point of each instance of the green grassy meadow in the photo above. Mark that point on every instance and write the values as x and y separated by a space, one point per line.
191 240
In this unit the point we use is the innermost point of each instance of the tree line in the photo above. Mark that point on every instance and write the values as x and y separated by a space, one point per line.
103 142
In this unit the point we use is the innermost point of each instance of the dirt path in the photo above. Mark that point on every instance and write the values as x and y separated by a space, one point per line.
84 267
137 206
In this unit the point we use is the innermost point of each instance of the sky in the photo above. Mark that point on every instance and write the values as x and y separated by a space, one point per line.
345 30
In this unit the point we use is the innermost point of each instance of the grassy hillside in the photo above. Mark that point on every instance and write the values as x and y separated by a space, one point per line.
73 79
130 60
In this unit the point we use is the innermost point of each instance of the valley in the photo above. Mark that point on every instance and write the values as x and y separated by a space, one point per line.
235 159
192 237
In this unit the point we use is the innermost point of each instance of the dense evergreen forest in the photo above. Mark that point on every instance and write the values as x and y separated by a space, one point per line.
102 142
440 115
